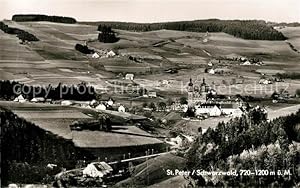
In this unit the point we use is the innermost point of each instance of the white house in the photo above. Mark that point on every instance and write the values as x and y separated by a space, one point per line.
110 102
97 170
20 99
210 64
210 109
66 103
205 40
111 54
231 109
101 107
38 99
211 71
93 102
246 63
265 82
121 108
95 55
175 143
129 76
185 108
152 94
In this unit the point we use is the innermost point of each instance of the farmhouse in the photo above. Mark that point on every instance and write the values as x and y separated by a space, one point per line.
38 99
265 81
101 107
110 102
111 54
129 76
121 108
246 63
231 109
212 110
66 103
20 99
211 71
95 55
97 170
152 94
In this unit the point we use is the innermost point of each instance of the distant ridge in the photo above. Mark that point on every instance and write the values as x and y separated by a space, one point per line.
41 17
246 29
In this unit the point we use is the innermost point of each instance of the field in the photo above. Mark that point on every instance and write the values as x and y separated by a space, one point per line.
56 119
55 58
153 171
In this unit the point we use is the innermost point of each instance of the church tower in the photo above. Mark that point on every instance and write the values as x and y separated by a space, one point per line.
190 92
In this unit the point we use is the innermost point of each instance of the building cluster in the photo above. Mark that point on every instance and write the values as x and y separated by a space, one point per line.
98 105
207 102
103 54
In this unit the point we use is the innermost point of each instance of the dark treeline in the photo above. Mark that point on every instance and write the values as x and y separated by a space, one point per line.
250 142
289 75
83 49
81 92
246 29
293 24
21 34
26 150
40 17
107 35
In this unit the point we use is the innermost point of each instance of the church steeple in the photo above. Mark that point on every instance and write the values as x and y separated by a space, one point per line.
190 86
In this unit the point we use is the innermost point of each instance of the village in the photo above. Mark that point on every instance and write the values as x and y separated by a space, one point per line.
113 104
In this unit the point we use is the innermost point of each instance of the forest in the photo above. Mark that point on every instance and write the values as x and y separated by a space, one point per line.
21 34
246 29
107 35
26 150
40 17
81 92
250 142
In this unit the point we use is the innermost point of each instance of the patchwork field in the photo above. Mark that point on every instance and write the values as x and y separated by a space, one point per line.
56 119
53 59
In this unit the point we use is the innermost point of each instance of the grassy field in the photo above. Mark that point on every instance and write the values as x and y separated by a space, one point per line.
55 58
56 119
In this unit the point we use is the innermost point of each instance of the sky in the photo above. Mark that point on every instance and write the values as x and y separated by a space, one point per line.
156 10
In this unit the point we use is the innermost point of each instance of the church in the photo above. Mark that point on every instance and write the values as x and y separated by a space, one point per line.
198 93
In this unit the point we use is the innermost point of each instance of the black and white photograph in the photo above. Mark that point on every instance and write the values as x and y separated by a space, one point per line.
149 93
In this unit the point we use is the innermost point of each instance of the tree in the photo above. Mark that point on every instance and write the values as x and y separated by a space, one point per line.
145 104
170 102
297 93
152 106
107 35
162 105
183 100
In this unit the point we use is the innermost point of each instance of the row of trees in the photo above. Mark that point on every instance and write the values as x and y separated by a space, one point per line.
40 17
107 35
84 49
251 143
81 92
26 150
247 29
21 34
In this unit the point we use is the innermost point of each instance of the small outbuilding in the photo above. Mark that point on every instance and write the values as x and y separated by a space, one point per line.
129 76
97 170
121 108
